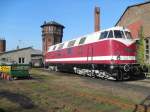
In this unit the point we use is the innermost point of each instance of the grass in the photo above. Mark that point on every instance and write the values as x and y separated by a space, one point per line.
52 92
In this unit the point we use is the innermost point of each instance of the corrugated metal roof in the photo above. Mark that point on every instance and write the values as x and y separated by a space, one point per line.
16 50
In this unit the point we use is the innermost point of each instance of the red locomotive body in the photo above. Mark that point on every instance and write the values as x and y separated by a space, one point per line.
108 53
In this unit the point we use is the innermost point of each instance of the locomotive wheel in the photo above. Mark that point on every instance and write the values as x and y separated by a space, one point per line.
120 76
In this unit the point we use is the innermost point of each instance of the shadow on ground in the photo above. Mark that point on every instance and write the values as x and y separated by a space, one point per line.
24 101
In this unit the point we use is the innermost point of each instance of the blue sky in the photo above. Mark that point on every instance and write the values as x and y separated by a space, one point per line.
20 20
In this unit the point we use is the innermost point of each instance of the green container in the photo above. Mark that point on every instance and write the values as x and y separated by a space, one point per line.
19 70
15 70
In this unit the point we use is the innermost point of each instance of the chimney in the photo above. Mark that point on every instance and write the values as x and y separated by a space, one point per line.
97 19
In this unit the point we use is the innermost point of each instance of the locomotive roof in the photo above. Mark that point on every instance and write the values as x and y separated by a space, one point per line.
116 28
94 35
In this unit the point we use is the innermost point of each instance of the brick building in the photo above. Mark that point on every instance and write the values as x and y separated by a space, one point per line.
135 17
52 33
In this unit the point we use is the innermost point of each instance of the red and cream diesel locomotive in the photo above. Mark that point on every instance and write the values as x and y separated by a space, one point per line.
109 53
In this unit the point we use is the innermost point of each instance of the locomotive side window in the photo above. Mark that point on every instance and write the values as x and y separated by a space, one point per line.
119 34
110 34
60 46
128 35
82 40
54 47
103 34
71 43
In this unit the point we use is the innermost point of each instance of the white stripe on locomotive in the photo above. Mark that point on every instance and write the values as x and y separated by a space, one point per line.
95 58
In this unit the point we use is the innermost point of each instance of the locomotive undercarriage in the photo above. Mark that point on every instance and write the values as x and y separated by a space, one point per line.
103 71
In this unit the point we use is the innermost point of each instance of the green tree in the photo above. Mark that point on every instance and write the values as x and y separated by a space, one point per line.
141 48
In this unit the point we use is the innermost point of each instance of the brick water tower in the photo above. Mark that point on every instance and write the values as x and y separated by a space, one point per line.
52 33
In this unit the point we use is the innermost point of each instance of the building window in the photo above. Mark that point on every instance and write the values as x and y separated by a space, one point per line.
147 41
147 46
147 50
21 60
147 57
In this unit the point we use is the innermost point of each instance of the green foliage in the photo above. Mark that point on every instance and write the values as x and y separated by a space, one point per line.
141 48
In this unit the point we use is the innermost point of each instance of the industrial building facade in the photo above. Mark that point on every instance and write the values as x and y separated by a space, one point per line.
136 17
26 55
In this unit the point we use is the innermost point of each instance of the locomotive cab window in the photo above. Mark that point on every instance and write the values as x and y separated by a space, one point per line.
119 34
54 47
110 34
103 34
60 46
82 40
71 43
128 35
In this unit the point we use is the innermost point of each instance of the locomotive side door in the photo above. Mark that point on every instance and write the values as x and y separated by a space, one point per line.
90 54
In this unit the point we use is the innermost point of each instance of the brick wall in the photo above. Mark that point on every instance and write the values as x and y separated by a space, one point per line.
135 17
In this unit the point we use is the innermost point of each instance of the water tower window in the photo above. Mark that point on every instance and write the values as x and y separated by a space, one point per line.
46 29
54 28
50 28
49 40
58 31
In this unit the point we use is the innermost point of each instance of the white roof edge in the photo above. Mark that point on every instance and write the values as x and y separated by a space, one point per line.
86 35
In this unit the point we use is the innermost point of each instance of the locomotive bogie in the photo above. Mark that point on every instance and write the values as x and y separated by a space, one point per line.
104 71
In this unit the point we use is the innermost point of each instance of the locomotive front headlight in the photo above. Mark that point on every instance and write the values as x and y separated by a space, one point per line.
111 66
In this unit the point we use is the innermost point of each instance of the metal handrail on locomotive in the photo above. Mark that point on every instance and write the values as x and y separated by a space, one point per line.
109 53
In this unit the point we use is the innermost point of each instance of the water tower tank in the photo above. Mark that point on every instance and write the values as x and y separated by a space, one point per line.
2 45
